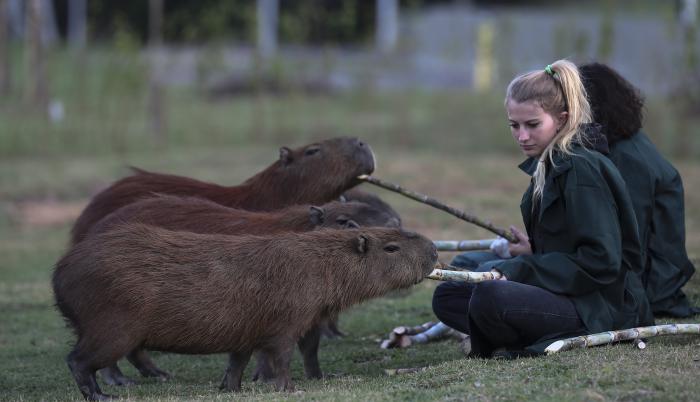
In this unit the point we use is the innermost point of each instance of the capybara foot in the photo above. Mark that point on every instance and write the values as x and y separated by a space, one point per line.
234 371
112 375
86 381
264 374
285 386
229 384
143 363
314 375
157 373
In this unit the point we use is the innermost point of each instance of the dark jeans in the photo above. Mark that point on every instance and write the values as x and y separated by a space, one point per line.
505 314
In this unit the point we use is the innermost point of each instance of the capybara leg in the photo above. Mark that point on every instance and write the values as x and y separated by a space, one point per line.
85 378
263 367
234 372
308 346
112 375
143 363
333 328
282 355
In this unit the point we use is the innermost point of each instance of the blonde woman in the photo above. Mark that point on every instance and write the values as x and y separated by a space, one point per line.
576 270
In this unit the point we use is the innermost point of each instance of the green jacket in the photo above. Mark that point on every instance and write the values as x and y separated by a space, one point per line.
585 244
656 190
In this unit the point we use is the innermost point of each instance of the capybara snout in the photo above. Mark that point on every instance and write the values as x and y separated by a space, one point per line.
407 256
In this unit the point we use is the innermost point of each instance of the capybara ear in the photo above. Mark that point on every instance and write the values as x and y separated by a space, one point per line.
285 155
317 215
361 244
351 224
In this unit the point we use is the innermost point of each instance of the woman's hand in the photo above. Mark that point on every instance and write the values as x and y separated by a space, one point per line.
522 247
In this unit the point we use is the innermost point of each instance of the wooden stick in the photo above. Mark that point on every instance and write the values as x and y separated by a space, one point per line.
463 245
439 205
605 338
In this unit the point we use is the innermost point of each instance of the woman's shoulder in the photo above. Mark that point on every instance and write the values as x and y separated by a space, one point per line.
638 154
593 169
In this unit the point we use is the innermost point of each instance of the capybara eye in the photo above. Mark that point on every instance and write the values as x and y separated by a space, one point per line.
341 220
392 248
312 150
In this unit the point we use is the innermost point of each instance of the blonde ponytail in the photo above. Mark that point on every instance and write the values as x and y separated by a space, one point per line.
556 89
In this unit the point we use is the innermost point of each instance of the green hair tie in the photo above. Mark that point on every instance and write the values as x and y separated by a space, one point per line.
548 70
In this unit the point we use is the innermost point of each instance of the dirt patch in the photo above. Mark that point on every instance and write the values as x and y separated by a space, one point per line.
46 212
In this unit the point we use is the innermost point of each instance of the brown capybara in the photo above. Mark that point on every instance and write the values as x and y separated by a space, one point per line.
194 214
355 194
198 215
139 286
312 174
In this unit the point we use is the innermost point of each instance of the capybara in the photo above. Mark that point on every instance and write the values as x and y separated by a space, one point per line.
355 194
198 215
312 174
139 286
194 214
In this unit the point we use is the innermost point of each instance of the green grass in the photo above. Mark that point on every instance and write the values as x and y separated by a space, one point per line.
34 340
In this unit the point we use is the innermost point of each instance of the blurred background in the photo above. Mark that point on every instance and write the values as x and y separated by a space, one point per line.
116 77
211 89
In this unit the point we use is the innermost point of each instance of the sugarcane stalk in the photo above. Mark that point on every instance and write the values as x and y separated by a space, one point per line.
439 205
406 370
464 276
463 245
406 330
437 331
604 338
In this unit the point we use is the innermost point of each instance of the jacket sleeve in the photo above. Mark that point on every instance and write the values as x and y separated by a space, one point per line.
591 240
667 238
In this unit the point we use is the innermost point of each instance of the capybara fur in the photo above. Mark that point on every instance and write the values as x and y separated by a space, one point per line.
194 214
355 194
312 174
139 286
198 215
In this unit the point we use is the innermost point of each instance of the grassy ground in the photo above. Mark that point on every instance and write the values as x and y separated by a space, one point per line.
34 340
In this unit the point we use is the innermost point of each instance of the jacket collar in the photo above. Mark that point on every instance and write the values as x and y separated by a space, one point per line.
592 138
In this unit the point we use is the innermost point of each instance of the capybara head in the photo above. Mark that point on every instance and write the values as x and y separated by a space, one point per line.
320 171
349 215
378 260
392 218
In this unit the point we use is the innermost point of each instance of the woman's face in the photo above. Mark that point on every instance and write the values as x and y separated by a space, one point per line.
531 126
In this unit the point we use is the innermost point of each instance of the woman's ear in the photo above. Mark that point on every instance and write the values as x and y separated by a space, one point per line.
561 120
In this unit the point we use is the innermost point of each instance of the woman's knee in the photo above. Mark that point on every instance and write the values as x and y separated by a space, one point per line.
447 295
488 297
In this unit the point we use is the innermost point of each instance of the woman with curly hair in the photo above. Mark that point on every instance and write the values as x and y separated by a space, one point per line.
654 185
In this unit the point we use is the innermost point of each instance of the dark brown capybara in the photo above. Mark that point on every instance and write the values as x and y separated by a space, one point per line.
355 194
312 174
139 286
198 215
